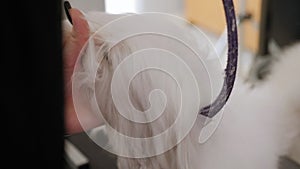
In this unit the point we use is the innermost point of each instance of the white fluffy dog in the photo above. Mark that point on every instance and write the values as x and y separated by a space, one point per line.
258 125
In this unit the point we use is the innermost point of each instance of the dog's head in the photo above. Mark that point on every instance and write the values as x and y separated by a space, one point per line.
104 54
96 77
99 73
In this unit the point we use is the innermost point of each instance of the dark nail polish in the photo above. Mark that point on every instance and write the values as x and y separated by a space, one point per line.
68 6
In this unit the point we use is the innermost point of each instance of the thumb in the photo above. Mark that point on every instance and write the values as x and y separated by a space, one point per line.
80 26
75 42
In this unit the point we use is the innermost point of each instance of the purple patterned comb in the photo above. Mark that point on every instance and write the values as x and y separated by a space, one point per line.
231 68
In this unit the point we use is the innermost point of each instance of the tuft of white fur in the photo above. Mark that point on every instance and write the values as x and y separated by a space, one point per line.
257 127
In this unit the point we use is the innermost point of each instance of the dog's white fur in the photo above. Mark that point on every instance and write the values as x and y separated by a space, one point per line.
259 124
257 127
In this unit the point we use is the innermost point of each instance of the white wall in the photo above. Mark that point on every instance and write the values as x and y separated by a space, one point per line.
139 6
87 5
167 6
120 6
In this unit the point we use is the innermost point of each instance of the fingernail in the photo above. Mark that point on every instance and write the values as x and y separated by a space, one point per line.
68 6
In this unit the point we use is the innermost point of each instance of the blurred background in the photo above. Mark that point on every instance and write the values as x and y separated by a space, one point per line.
266 27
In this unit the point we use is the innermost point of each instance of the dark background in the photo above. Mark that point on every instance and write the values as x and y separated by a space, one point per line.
280 22
31 85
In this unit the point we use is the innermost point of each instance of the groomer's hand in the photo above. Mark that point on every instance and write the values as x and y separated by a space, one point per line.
72 44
